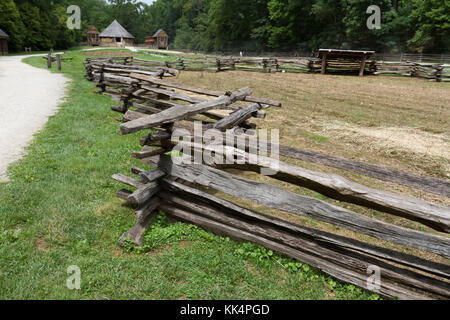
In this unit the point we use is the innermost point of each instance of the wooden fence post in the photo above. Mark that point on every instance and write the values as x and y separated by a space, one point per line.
324 63
49 60
363 66
438 74
101 82
218 65
58 61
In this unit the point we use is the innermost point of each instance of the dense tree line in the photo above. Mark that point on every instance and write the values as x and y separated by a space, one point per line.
236 25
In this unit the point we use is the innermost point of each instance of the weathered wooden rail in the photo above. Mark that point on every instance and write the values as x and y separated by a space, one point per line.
432 72
164 110
55 58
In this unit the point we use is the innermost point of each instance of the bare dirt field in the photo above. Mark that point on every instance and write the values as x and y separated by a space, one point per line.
399 122
403 119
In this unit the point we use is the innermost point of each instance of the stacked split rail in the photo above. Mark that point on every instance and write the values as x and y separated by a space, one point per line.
432 72
429 71
163 111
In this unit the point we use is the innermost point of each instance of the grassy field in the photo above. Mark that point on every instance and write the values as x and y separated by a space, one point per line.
60 208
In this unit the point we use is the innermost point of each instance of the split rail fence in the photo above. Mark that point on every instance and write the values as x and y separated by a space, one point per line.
432 72
54 58
161 110
429 71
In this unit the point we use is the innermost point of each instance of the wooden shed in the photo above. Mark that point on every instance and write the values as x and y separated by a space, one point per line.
160 40
93 36
116 36
343 56
3 43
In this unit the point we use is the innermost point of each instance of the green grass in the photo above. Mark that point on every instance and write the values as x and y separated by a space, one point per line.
60 210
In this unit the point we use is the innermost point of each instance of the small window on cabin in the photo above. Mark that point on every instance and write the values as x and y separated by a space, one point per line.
117 39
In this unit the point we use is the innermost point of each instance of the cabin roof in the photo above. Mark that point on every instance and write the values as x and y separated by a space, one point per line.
158 33
345 53
3 34
115 30
93 29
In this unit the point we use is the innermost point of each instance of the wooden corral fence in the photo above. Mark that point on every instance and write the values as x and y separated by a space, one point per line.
345 59
441 58
432 72
184 191
55 58
112 73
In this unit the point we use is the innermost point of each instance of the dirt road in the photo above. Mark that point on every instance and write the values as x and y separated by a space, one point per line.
28 96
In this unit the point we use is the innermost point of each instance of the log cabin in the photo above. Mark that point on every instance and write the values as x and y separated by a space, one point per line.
93 36
3 43
160 40
116 36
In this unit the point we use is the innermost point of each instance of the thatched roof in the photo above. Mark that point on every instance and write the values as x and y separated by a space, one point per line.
115 30
158 33
3 34
93 29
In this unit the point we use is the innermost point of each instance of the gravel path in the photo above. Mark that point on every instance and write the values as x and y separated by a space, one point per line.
28 96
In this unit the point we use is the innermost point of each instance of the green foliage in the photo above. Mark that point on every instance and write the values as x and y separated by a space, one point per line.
303 25
432 18
238 25
162 234
266 257
12 24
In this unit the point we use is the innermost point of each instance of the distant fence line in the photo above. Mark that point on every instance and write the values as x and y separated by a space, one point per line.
426 58
430 71
443 58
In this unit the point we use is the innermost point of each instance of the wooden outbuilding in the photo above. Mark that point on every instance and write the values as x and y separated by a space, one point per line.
116 36
345 55
93 36
160 40
3 43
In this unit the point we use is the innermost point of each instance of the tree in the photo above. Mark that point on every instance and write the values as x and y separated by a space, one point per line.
432 18
11 23
191 26
237 25
290 24
357 35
